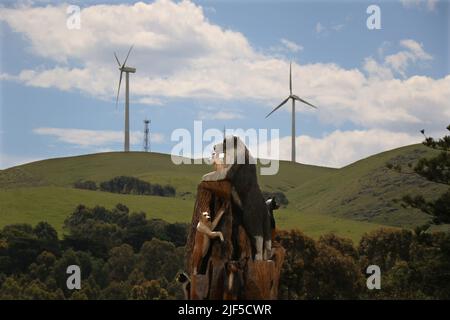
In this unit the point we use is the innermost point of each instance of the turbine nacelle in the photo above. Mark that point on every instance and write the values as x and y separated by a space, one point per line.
127 69
124 68
292 97
295 97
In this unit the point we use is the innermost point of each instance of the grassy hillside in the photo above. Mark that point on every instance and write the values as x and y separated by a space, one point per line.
53 204
348 201
151 167
368 191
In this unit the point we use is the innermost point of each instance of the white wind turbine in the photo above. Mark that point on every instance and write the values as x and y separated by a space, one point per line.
123 68
294 98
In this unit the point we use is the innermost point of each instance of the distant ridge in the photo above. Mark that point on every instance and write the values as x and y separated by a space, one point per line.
351 200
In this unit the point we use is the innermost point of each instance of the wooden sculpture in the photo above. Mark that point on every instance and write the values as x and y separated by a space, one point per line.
232 257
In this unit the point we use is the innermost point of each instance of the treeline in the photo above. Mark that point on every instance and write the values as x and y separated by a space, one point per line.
124 255
128 185
413 264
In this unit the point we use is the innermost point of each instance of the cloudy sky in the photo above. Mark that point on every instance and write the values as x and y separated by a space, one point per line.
225 63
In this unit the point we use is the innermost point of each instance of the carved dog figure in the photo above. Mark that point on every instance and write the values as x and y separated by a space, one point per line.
239 167
202 237
185 281
272 205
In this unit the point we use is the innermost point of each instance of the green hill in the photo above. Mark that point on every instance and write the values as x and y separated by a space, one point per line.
347 201
368 191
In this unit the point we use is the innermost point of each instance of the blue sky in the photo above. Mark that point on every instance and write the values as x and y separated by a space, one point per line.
225 63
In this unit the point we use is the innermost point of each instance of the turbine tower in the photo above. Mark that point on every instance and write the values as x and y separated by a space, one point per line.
123 68
293 97
146 135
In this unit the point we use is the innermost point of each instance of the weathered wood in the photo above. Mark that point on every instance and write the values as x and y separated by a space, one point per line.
278 257
249 279
199 287
260 279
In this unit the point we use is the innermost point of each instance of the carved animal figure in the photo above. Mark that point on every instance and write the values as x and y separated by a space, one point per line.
234 280
272 205
185 281
248 202
202 237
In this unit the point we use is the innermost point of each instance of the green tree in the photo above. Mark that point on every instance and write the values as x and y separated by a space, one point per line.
149 290
384 247
436 169
343 245
10 289
116 291
300 254
121 262
158 258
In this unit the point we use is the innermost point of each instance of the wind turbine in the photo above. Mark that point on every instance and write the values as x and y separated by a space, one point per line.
293 97
123 68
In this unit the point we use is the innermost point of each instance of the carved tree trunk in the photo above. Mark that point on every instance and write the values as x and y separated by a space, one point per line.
228 270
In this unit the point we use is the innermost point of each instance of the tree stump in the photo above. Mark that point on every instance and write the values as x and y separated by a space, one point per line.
228 270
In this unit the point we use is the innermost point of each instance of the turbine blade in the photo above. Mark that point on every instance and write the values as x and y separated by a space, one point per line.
117 59
118 89
304 101
127 56
290 78
279 106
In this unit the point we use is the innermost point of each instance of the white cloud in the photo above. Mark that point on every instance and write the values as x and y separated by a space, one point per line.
150 101
174 42
416 49
374 69
94 138
396 63
414 52
319 28
341 148
291 46
179 53
430 5
285 48
338 27
382 49
326 30
156 137
218 113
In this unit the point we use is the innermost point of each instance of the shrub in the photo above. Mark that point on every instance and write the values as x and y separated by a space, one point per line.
132 185
88 185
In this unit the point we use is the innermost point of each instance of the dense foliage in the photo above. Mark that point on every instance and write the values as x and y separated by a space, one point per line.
132 185
128 185
414 265
123 255
435 169
86 184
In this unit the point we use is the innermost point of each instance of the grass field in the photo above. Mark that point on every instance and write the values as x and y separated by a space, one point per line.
54 204
368 191
347 201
